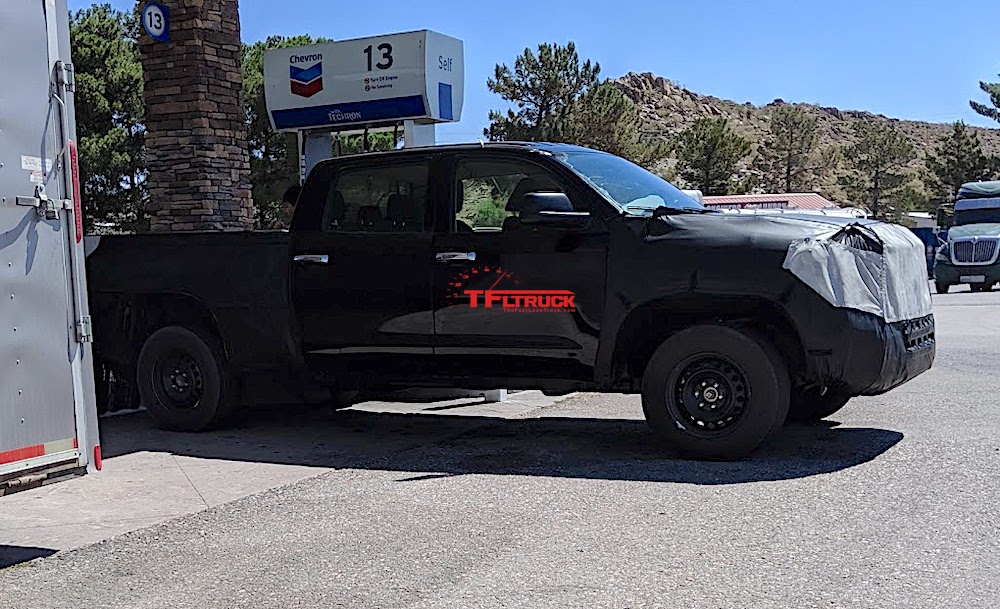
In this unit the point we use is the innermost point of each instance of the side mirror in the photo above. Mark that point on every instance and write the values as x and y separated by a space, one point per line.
552 209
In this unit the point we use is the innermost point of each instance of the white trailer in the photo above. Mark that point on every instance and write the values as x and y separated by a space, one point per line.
48 418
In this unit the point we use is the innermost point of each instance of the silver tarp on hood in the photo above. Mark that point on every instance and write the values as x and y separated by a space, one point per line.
877 268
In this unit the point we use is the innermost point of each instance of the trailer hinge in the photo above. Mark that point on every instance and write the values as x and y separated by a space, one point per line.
84 330
66 75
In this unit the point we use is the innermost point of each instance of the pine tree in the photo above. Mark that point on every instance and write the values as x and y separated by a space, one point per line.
788 159
993 90
274 160
109 113
958 158
544 88
558 98
605 119
708 153
877 161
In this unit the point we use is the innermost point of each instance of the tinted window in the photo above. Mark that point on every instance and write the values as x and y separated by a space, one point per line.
377 198
490 193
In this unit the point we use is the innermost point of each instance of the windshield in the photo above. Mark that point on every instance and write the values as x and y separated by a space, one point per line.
977 211
630 187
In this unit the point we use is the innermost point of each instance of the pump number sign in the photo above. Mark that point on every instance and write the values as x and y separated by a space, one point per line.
156 20
367 81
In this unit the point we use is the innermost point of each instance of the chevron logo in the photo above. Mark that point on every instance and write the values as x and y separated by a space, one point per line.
307 82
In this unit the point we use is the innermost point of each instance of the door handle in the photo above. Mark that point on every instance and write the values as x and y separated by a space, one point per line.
455 256
313 258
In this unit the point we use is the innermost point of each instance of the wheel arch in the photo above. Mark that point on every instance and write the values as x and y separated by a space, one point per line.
135 317
646 326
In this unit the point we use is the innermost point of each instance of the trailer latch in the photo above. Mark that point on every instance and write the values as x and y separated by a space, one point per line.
46 207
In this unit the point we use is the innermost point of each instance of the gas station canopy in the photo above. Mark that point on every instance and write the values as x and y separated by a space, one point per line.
377 81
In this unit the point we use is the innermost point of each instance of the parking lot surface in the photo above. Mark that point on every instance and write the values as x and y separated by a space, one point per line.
894 502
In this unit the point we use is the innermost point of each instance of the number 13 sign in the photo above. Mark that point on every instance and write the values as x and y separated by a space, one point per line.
156 20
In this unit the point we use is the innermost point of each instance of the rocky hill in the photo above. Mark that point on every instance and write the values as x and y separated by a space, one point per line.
668 108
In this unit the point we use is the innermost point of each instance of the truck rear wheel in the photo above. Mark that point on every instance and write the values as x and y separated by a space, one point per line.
715 393
184 382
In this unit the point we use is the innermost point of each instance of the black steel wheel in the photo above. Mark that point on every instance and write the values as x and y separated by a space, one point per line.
710 392
178 380
715 392
184 381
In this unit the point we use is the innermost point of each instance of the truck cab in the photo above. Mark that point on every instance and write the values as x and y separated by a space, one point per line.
970 254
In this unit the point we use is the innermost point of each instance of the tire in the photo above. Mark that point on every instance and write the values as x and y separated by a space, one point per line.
184 381
809 406
942 288
751 391
980 287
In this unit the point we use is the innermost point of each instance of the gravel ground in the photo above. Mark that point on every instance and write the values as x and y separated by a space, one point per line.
892 503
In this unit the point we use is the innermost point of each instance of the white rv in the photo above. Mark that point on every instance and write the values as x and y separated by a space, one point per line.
48 419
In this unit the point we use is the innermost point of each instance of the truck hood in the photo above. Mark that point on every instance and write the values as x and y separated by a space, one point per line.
852 263
985 229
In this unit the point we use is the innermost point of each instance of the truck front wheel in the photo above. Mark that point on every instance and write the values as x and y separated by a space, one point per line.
184 382
942 288
715 392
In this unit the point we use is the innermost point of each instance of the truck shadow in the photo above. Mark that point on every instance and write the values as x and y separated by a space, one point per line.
449 444
15 555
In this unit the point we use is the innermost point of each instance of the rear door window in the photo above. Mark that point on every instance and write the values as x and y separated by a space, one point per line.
378 198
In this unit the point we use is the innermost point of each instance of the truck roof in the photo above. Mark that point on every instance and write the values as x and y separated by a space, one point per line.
538 146
979 190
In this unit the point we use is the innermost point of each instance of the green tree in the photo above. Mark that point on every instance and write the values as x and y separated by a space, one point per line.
993 90
558 98
789 159
877 162
708 154
380 141
274 159
605 119
958 158
109 112
544 88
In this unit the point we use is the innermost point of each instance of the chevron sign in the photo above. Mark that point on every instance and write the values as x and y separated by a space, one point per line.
306 82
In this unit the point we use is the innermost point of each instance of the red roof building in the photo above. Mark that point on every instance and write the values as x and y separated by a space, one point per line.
807 200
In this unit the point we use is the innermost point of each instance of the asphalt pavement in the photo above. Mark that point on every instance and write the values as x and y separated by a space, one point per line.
891 503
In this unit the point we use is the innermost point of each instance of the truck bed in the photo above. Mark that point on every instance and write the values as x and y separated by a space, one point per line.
237 282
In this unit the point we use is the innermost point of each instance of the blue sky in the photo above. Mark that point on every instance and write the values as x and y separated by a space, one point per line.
912 59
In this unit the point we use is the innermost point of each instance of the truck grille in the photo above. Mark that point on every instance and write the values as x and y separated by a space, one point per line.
974 251
918 333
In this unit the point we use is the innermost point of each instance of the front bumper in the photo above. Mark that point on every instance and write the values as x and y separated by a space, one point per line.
870 357
949 274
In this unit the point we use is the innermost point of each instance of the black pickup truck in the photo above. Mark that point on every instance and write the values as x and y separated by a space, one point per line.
521 266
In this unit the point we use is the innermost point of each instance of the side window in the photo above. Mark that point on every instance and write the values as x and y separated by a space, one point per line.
490 194
377 198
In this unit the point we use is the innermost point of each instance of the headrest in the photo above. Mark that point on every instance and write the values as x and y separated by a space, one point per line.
399 207
368 215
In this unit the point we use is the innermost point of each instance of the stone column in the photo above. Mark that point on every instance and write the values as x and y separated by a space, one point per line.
196 142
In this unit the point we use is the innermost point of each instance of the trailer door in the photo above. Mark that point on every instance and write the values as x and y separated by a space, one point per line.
47 415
